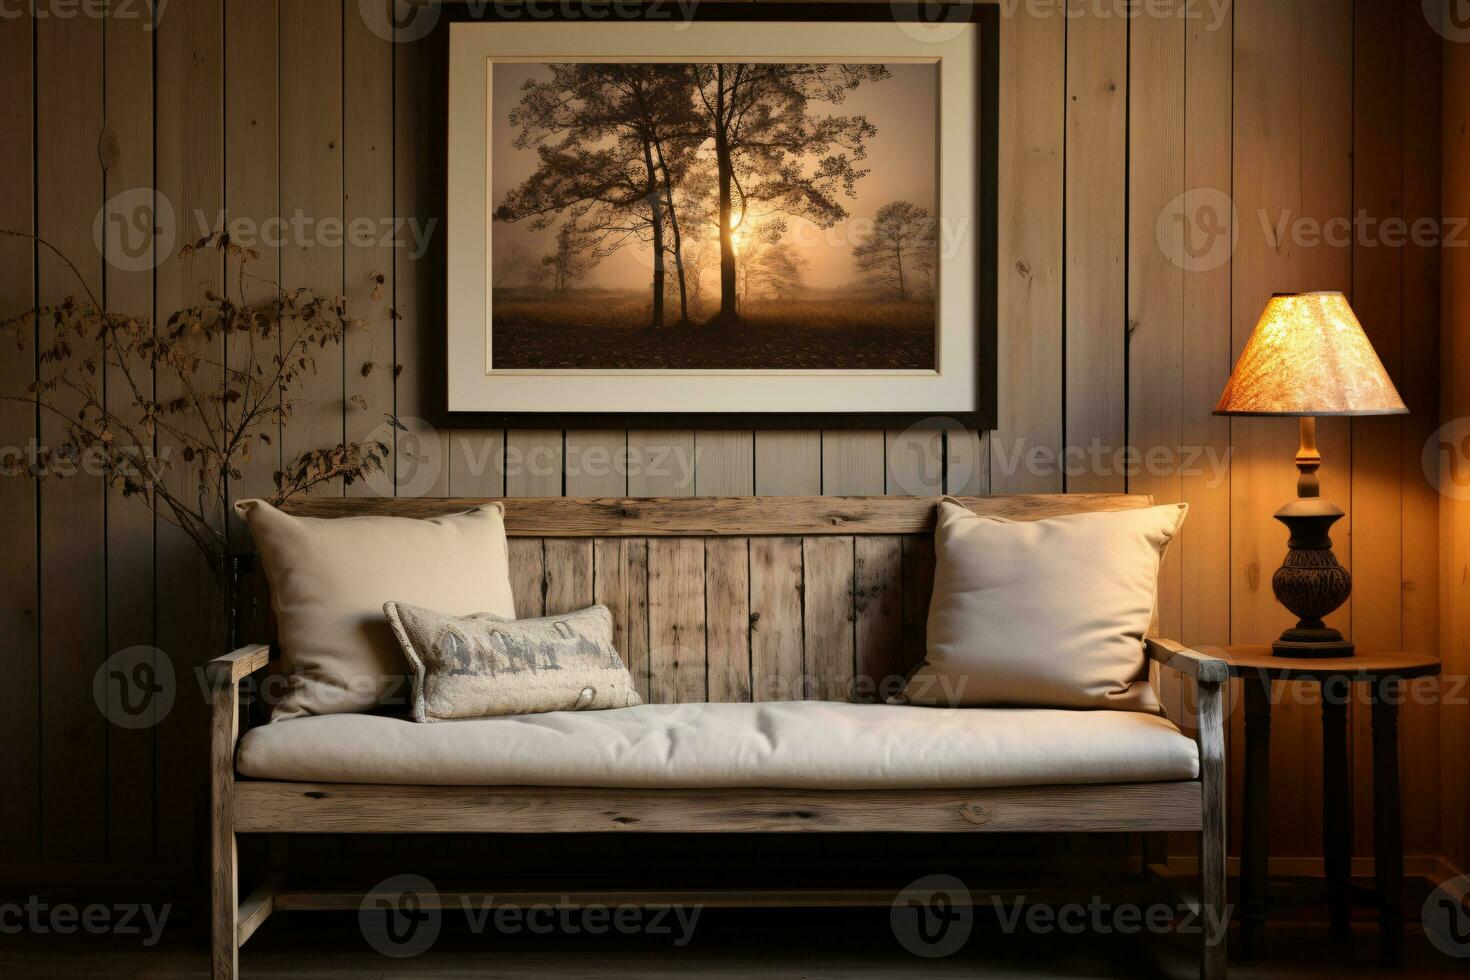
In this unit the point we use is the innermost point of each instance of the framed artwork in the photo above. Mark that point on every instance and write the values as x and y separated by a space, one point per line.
754 216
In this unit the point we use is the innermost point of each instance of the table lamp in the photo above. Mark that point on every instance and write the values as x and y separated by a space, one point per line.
1309 357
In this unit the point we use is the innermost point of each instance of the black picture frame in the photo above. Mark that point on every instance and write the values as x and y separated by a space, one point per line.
986 16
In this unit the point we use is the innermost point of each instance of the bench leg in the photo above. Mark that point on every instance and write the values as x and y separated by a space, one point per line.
1213 908
225 874
225 904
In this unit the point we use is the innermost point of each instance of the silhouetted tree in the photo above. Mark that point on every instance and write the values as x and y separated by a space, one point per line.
900 250
618 193
758 117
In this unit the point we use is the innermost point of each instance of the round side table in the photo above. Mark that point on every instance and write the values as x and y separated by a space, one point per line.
1384 673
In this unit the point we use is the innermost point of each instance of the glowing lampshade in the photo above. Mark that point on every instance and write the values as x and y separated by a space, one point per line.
1309 356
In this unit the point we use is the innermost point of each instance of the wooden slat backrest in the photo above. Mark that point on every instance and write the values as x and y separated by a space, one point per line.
735 599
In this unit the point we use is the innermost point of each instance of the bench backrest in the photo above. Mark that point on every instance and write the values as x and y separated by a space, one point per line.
736 599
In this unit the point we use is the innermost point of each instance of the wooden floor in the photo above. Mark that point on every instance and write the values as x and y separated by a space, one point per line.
797 945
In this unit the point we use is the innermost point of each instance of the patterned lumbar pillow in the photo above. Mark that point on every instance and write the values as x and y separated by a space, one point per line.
481 665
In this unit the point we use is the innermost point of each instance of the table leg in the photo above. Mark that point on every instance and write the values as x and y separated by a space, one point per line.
1255 839
1388 845
1337 806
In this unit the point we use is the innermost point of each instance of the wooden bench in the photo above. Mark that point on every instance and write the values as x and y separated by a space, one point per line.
790 597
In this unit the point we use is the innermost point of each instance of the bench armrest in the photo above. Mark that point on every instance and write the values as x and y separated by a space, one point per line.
1176 656
232 668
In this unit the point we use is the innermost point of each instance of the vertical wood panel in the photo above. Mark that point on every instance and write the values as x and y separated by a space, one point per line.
620 582
1454 512
419 109
569 575
967 463
913 462
596 463
253 198
788 463
367 185
827 614
19 581
724 464
1029 226
1156 295
776 649
73 582
1377 497
311 188
676 625
527 560
533 462
189 160
878 609
1207 355
853 464
727 597
1420 591
918 589
661 464
1096 188
128 157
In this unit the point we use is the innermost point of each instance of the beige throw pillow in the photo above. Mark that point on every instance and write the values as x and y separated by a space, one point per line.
330 577
482 665
1048 613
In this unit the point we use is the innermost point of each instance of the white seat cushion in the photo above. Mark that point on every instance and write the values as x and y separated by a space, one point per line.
776 745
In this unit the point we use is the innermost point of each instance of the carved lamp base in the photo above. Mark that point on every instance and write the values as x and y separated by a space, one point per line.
1311 583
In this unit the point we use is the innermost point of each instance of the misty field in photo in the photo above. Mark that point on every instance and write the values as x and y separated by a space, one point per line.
602 330
724 216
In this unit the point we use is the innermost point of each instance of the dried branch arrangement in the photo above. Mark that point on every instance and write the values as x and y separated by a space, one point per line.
163 415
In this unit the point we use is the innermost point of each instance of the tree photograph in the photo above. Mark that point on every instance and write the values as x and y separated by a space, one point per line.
727 217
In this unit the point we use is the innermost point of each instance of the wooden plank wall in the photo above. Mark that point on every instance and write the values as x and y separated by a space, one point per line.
1454 512
1113 333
